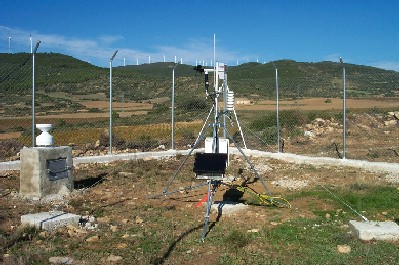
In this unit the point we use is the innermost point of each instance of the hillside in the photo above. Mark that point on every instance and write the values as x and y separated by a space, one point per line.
57 73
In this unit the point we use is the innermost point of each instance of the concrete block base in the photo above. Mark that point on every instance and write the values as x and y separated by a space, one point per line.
50 220
37 178
388 231
227 207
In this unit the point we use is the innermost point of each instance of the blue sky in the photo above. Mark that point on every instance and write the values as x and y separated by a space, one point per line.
362 32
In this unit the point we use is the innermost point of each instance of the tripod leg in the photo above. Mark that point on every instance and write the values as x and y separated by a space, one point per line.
208 209
203 126
239 128
200 137
209 203
249 162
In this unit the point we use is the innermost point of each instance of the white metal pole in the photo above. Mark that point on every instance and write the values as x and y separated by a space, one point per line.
277 110
33 93
9 44
224 102
215 145
110 101
277 114
344 109
173 106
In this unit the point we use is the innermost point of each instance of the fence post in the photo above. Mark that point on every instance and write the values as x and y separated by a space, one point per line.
33 92
110 101
277 110
173 106
344 108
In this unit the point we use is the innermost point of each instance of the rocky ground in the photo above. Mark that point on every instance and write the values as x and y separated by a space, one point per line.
122 223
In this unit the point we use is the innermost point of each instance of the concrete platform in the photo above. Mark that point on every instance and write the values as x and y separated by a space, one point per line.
228 207
50 220
388 231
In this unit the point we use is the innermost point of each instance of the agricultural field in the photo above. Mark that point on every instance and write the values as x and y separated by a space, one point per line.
123 223
372 131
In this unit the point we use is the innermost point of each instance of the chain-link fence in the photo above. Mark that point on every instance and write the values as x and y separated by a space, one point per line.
74 96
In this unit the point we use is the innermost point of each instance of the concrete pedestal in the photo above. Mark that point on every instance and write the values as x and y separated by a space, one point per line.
45 170
375 230
227 207
50 220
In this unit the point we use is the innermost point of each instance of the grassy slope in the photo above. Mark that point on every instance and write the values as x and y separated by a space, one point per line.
57 72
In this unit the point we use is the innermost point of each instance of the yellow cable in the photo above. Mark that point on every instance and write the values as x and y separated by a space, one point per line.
266 199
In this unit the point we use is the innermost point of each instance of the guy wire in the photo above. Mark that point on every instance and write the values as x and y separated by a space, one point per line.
346 204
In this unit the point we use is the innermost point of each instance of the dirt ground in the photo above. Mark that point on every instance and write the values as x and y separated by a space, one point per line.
126 109
118 196
321 104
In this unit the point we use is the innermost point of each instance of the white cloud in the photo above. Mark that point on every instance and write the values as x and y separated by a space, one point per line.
388 65
99 50
201 50
109 39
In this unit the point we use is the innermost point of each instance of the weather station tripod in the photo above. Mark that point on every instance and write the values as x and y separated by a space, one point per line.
211 164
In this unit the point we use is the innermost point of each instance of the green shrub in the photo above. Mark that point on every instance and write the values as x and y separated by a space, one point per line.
159 108
94 110
192 104
269 135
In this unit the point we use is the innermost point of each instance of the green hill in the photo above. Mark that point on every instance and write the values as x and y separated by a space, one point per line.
58 73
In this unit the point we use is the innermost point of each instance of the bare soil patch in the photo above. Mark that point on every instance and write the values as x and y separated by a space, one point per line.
321 104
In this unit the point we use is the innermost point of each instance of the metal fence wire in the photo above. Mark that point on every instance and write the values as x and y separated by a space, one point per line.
305 116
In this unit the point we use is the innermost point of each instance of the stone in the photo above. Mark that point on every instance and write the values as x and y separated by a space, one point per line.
43 234
328 215
113 258
390 122
121 245
93 239
113 228
309 134
139 220
60 260
126 174
64 191
319 121
92 219
75 231
103 220
343 249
